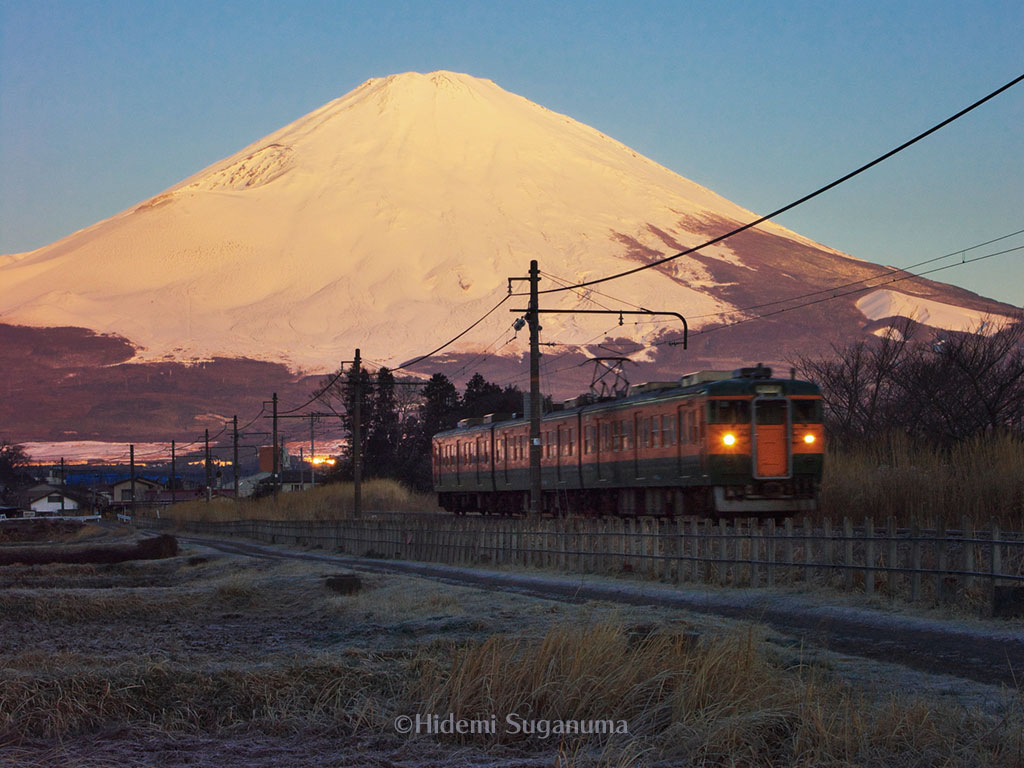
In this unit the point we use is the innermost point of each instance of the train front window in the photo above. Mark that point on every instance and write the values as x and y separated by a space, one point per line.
729 412
807 412
771 411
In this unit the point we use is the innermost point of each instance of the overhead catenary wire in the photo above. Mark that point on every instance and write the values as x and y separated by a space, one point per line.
795 203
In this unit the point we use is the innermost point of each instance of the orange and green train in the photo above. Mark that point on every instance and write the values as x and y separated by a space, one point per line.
712 444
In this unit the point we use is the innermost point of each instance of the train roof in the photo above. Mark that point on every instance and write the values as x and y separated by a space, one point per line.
743 381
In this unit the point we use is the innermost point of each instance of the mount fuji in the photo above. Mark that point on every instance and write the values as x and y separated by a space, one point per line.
389 220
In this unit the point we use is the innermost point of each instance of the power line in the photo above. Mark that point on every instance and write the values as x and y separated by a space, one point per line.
451 341
885 273
795 203
907 276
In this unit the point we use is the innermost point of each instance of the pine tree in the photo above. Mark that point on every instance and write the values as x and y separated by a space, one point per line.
382 428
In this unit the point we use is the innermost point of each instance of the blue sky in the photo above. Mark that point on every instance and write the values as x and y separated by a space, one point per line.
104 104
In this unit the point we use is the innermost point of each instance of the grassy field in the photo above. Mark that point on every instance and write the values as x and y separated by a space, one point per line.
209 660
982 480
322 503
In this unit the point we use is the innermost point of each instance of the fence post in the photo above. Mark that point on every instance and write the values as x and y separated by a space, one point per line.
695 564
892 577
723 574
770 568
915 560
830 552
788 549
997 556
848 552
940 578
709 551
755 552
869 556
967 526
808 548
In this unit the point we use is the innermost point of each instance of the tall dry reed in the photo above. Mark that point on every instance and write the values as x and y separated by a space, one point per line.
981 478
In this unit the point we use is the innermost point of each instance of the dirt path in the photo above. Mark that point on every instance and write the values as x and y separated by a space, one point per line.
956 648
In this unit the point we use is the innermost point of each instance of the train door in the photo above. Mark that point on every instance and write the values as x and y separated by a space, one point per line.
458 462
771 427
638 439
559 442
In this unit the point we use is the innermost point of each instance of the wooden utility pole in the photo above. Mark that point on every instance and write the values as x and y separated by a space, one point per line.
131 463
209 479
276 465
357 404
234 462
533 320
312 448
174 472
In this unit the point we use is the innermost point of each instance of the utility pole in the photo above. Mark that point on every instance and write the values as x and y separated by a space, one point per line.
174 472
357 470
234 462
131 462
533 319
276 466
312 448
209 479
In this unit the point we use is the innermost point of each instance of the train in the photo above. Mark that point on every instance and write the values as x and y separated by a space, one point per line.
716 444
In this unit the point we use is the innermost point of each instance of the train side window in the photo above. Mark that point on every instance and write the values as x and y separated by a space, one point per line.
807 412
627 435
668 435
588 440
728 412
645 432
656 436
616 436
606 437
572 440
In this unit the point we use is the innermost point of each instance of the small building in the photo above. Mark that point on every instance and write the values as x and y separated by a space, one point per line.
262 483
121 492
46 499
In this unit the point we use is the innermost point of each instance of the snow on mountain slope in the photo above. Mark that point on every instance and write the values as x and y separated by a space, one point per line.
882 304
386 219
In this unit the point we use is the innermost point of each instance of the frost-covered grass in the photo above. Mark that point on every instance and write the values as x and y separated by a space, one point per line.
220 652
982 480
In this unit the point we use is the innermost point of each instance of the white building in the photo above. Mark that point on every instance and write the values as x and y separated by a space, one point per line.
52 501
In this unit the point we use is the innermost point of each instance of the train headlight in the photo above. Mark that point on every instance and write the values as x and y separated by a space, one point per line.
808 439
729 438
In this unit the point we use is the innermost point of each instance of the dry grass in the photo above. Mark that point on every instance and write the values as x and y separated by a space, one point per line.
721 701
329 502
327 693
982 479
688 699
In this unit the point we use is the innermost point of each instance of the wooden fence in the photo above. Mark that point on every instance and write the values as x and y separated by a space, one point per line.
915 563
